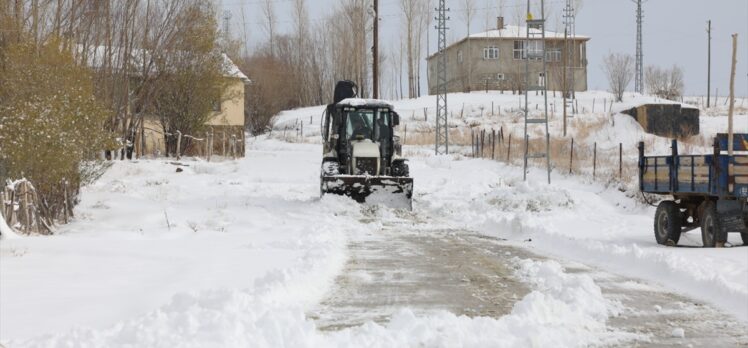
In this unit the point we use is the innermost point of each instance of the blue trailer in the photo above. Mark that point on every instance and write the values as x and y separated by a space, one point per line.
709 191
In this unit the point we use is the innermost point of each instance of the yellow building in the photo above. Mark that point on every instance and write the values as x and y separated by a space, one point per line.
226 125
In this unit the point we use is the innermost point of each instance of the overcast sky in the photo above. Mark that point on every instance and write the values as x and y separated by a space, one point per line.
674 31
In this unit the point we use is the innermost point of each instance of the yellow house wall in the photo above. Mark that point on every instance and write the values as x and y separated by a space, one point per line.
232 106
154 137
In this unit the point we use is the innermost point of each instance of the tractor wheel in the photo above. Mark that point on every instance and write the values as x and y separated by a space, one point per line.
667 223
710 225
744 236
400 169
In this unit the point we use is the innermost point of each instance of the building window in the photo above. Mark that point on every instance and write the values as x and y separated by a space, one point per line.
534 47
519 50
491 53
553 55
459 56
500 77
216 105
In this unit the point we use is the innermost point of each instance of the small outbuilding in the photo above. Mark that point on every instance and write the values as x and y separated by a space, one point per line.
667 120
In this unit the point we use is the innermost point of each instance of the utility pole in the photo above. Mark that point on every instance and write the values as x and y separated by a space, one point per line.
732 93
226 28
569 54
442 127
709 63
639 78
375 52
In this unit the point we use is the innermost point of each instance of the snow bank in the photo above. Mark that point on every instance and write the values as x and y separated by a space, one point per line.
5 231
217 234
577 219
564 310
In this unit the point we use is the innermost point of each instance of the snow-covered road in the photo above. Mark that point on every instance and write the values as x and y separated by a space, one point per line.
241 253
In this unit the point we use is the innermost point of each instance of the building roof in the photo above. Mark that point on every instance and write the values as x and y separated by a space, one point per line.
517 32
513 32
96 58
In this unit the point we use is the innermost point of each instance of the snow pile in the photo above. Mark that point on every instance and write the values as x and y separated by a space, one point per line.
579 220
564 310
144 234
5 230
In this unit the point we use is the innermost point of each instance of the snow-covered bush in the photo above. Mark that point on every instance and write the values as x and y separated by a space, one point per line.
50 121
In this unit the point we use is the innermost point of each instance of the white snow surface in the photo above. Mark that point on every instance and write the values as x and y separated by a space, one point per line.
248 247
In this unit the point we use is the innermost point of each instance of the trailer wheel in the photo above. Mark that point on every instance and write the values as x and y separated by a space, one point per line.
710 224
667 223
744 236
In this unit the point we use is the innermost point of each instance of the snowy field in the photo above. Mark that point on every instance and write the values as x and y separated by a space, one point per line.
234 253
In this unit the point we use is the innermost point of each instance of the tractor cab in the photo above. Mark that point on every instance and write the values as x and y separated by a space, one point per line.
362 129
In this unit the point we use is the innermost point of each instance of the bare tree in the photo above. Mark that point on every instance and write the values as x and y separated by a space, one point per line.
412 11
619 70
468 14
664 83
268 15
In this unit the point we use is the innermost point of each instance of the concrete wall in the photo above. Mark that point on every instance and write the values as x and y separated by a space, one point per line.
477 73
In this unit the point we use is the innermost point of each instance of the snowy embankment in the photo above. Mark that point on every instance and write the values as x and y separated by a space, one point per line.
159 258
233 254
581 220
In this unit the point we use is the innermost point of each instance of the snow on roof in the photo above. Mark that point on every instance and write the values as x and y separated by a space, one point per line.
96 58
231 70
514 32
357 102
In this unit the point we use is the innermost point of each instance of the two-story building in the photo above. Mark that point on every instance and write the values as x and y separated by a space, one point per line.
495 60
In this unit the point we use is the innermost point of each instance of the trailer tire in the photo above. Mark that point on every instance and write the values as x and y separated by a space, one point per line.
710 225
744 236
667 223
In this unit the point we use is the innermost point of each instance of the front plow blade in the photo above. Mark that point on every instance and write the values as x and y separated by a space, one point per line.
396 192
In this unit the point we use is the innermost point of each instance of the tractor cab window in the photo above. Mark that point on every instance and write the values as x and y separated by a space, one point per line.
360 123
371 124
383 130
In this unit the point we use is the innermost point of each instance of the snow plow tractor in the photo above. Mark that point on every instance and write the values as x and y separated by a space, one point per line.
361 155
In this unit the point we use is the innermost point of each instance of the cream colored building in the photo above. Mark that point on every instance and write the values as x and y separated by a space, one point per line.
226 122
495 60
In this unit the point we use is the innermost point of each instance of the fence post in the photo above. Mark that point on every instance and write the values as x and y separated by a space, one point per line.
302 131
207 144
179 145
620 160
493 143
571 156
482 143
65 198
405 136
509 148
310 119
594 160
224 143
593 105
472 142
